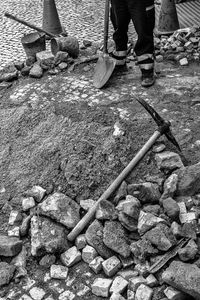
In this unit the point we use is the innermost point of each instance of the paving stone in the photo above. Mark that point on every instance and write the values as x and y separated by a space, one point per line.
15 217
67 295
117 296
101 286
187 218
37 192
88 254
143 292
173 294
119 285
37 293
96 264
151 280
28 203
58 272
135 282
71 256
111 266
10 246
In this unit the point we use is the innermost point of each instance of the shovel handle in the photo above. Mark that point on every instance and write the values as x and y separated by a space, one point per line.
91 213
106 26
28 24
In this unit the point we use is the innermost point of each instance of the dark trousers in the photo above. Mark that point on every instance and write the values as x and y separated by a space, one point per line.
142 13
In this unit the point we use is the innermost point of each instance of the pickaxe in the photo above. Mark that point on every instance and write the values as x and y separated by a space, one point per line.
163 128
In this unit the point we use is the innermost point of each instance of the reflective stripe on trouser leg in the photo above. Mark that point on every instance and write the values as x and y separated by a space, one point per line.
146 61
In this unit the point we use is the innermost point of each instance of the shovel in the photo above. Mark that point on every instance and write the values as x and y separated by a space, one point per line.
105 64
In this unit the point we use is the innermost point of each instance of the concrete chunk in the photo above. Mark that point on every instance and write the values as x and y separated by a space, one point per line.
111 265
101 287
184 277
119 285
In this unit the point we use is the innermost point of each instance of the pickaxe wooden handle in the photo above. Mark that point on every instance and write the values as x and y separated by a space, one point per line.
116 183
163 128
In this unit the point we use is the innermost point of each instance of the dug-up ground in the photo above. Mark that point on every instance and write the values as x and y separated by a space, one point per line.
63 142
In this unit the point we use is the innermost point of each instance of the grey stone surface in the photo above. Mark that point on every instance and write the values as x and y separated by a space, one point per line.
6 273
10 246
185 277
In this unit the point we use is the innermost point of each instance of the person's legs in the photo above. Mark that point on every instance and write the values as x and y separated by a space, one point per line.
120 19
143 17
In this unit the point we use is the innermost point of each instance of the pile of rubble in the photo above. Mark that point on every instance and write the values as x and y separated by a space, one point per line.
142 245
45 62
182 46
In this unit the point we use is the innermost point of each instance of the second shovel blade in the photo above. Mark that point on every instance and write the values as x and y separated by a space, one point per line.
103 70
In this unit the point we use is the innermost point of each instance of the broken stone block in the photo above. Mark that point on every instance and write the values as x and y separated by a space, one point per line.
119 285
96 264
188 180
170 186
47 261
15 217
187 218
61 56
106 211
130 295
168 161
143 292
171 208
80 241
36 71
117 296
37 192
151 281
143 249
182 207
189 230
28 203
128 273
111 266
14 231
114 237
61 208
173 294
67 295
88 254
188 252
9 246
161 237
184 277
63 66
6 273
58 272
183 61
152 209
71 256
94 237
87 204
127 221
135 282
37 293
148 193
47 237
130 206
147 221
126 261
176 229
45 56
101 287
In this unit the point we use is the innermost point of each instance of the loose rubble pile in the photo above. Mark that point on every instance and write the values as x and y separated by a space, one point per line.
143 244
182 46
46 62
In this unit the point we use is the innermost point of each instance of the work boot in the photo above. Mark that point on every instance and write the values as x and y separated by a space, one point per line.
148 78
120 57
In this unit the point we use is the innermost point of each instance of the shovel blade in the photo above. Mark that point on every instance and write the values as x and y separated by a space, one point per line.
103 70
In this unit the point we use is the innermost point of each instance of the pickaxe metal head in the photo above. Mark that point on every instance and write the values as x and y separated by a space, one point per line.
164 126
